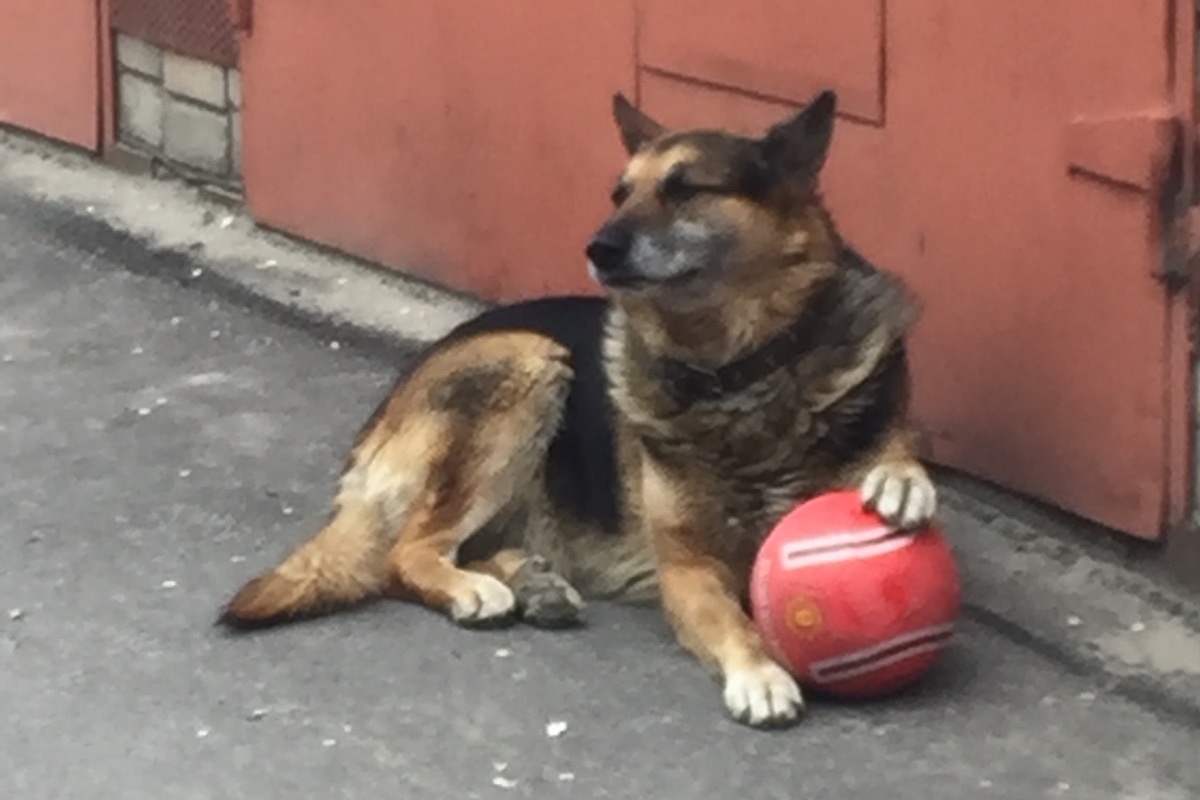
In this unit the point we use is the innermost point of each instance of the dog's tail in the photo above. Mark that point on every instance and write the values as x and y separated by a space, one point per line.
345 563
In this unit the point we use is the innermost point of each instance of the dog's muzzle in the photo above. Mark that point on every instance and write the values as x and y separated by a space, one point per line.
608 255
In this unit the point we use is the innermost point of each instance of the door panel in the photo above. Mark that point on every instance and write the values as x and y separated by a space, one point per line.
48 68
772 47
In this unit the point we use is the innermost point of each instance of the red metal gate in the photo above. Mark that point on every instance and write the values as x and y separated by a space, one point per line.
49 68
1009 158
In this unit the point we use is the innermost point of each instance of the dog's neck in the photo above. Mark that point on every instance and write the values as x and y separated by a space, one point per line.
710 336
686 383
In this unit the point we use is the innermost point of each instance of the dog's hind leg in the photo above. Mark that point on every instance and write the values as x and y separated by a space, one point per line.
453 447
498 401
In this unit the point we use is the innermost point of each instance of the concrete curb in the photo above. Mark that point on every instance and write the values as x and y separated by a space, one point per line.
226 246
1026 575
1036 581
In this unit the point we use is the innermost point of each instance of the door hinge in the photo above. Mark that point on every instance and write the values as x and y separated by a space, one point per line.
1180 214
1181 250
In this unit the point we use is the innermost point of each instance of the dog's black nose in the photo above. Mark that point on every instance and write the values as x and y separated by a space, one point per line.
609 249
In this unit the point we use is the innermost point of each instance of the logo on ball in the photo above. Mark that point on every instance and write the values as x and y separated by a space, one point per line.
804 616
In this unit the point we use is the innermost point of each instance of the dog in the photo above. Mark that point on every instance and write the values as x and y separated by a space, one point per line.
638 446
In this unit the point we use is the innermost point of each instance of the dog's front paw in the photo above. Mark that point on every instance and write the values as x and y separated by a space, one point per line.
482 600
544 598
901 493
764 695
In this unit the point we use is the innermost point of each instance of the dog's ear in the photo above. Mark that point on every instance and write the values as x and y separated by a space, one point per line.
636 128
797 147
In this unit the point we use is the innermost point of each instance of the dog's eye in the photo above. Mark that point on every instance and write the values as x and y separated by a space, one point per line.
620 193
675 188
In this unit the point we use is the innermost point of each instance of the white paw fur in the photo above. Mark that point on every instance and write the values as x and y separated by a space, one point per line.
763 695
484 599
902 494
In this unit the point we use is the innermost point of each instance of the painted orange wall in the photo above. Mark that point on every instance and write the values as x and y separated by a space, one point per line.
468 142
1042 360
991 152
48 68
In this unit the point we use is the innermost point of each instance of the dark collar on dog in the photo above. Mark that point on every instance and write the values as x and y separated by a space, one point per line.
688 384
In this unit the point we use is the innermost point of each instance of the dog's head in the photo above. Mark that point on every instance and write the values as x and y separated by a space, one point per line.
702 208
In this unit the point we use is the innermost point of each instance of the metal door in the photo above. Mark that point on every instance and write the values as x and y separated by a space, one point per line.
1012 160
49 68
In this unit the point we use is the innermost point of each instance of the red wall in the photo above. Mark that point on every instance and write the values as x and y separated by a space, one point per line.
1000 155
469 141
1042 358
48 68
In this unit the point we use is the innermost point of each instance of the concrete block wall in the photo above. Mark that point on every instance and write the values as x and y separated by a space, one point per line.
179 108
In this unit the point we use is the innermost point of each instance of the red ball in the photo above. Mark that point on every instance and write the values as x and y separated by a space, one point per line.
849 605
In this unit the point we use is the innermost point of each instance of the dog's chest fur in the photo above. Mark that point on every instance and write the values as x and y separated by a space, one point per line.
753 452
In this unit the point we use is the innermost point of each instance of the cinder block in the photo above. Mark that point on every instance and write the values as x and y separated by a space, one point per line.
196 136
235 127
140 116
194 79
234 81
139 55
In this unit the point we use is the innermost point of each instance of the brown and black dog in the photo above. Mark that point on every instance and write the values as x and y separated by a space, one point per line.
639 446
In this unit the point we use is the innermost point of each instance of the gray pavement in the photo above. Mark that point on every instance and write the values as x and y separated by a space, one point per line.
164 435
